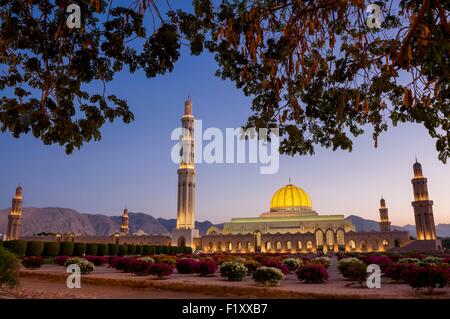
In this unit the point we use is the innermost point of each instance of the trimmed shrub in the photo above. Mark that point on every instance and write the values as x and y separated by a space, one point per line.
97 260
233 271
9 269
186 250
158 250
66 248
399 271
35 248
32 262
324 261
123 250
51 249
140 267
312 273
428 277
251 265
147 259
86 267
207 267
102 249
267 276
91 249
272 262
160 270
172 260
121 263
131 249
139 249
79 249
430 260
113 249
292 263
383 261
17 247
60 260
186 265
353 269
409 260
148 250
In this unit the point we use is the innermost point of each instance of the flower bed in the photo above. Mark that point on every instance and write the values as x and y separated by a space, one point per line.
233 271
312 273
267 276
32 262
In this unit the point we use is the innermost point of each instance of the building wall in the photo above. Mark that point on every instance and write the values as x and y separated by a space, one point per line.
127 239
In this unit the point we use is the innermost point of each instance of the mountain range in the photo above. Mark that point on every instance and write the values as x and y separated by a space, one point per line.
65 220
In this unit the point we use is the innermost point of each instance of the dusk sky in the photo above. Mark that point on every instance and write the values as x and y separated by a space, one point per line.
131 166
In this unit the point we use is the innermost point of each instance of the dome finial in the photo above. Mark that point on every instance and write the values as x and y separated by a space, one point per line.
289 181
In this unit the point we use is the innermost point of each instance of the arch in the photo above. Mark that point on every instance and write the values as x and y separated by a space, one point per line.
299 245
363 245
319 239
278 245
309 245
229 246
329 236
288 245
385 243
352 244
181 241
340 237
239 245
374 244
249 246
268 245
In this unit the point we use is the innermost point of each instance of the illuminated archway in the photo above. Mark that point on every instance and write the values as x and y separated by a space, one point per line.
288 245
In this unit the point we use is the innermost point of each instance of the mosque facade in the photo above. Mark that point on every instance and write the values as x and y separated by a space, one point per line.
290 225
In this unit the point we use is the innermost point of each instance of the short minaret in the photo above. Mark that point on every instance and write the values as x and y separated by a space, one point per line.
385 224
124 226
423 206
15 216
185 230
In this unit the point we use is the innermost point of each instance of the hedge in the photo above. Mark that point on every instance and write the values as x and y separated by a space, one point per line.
91 249
18 247
139 249
148 250
123 250
102 249
113 249
34 248
51 249
66 248
79 249
159 250
131 249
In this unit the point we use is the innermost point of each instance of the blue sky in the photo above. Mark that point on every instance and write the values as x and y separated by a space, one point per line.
131 165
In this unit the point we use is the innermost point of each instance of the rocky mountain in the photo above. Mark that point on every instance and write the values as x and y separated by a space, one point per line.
361 224
65 220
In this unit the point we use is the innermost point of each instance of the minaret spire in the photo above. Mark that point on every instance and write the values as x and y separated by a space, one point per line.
15 216
423 206
385 224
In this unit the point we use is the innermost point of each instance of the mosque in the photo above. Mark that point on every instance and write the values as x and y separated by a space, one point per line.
290 225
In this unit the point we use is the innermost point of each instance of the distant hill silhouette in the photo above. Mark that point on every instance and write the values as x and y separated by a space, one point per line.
65 220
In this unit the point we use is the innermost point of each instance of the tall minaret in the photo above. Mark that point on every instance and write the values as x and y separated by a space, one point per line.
423 206
385 224
185 232
15 216
124 225
186 172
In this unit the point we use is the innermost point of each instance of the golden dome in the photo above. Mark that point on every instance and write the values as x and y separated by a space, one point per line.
290 197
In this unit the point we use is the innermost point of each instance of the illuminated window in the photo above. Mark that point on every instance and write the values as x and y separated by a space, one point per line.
249 246
288 245
229 246
309 245
268 245
352 244
278 245
363 245
239 245
385 243
299 245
